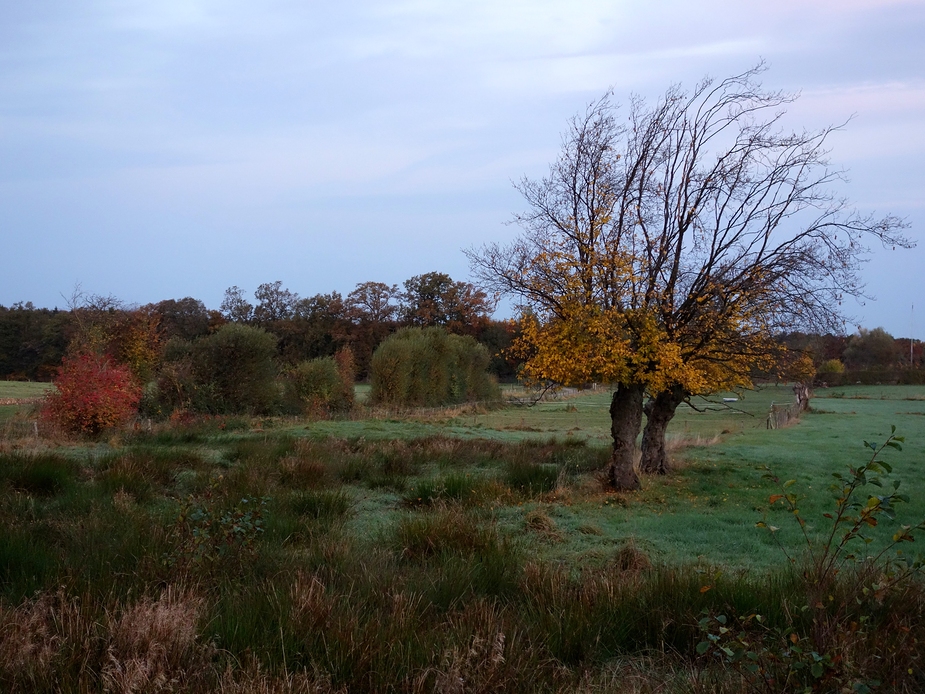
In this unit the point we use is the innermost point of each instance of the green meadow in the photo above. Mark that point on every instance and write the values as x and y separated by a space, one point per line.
466 549
707 509
18 390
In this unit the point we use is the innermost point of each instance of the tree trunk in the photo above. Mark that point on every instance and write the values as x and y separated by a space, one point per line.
659 411
625 421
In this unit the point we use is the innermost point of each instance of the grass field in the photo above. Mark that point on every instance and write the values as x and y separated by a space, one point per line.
411 552
15 391
707 510
22 389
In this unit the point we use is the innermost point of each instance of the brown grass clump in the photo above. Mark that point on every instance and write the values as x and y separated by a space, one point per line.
28 640
447 529
311 605
40 638
494 492
153 645
630 558
302 472
539 522
252 679
659 673
675 445
480 663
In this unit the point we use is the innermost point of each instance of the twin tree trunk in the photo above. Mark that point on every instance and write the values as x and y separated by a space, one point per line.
626 409
659 411
625 420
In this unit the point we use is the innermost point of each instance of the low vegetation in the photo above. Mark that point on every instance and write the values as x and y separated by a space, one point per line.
238 554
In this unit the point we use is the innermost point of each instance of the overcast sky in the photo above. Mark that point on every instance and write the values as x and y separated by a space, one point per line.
156 150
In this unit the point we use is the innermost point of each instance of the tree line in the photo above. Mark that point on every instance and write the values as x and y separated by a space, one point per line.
33 341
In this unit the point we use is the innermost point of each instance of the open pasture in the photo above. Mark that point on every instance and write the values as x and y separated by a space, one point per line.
14 393
20 390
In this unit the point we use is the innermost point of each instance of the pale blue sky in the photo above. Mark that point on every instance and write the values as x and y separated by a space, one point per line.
156 150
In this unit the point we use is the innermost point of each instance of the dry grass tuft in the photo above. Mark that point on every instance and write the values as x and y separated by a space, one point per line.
251 678
153 645
676 445
630 558
124 502
302 472
37 637
539 522
659 673
485 657
27 637
311 605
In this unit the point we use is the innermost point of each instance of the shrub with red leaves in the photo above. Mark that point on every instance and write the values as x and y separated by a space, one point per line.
93 394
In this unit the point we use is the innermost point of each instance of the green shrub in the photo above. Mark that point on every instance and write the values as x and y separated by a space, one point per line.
832 366
209 536
851 589
234 371
316 387
429 368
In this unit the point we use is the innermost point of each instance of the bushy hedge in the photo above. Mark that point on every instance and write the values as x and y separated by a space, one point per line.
429 367
235 371
317 387
232 371
870 377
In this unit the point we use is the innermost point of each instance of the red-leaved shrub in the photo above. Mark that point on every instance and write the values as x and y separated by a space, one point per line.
93 394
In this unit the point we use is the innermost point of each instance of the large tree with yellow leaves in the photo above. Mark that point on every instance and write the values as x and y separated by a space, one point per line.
667 247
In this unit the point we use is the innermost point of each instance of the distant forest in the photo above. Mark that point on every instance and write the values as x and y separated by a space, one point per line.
34 340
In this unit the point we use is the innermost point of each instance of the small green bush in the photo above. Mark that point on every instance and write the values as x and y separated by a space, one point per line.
429 368
232 371
317 387
832 366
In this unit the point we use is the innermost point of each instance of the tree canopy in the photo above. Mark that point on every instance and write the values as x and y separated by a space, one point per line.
667 246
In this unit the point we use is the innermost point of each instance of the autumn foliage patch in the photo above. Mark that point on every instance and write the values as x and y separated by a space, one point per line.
93 394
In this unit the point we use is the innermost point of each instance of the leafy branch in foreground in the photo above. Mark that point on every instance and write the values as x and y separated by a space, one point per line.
823 643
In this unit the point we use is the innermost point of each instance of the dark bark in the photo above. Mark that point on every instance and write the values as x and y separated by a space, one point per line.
659 411
625 422
802 393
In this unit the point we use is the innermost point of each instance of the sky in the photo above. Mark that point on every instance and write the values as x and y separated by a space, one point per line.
157 150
